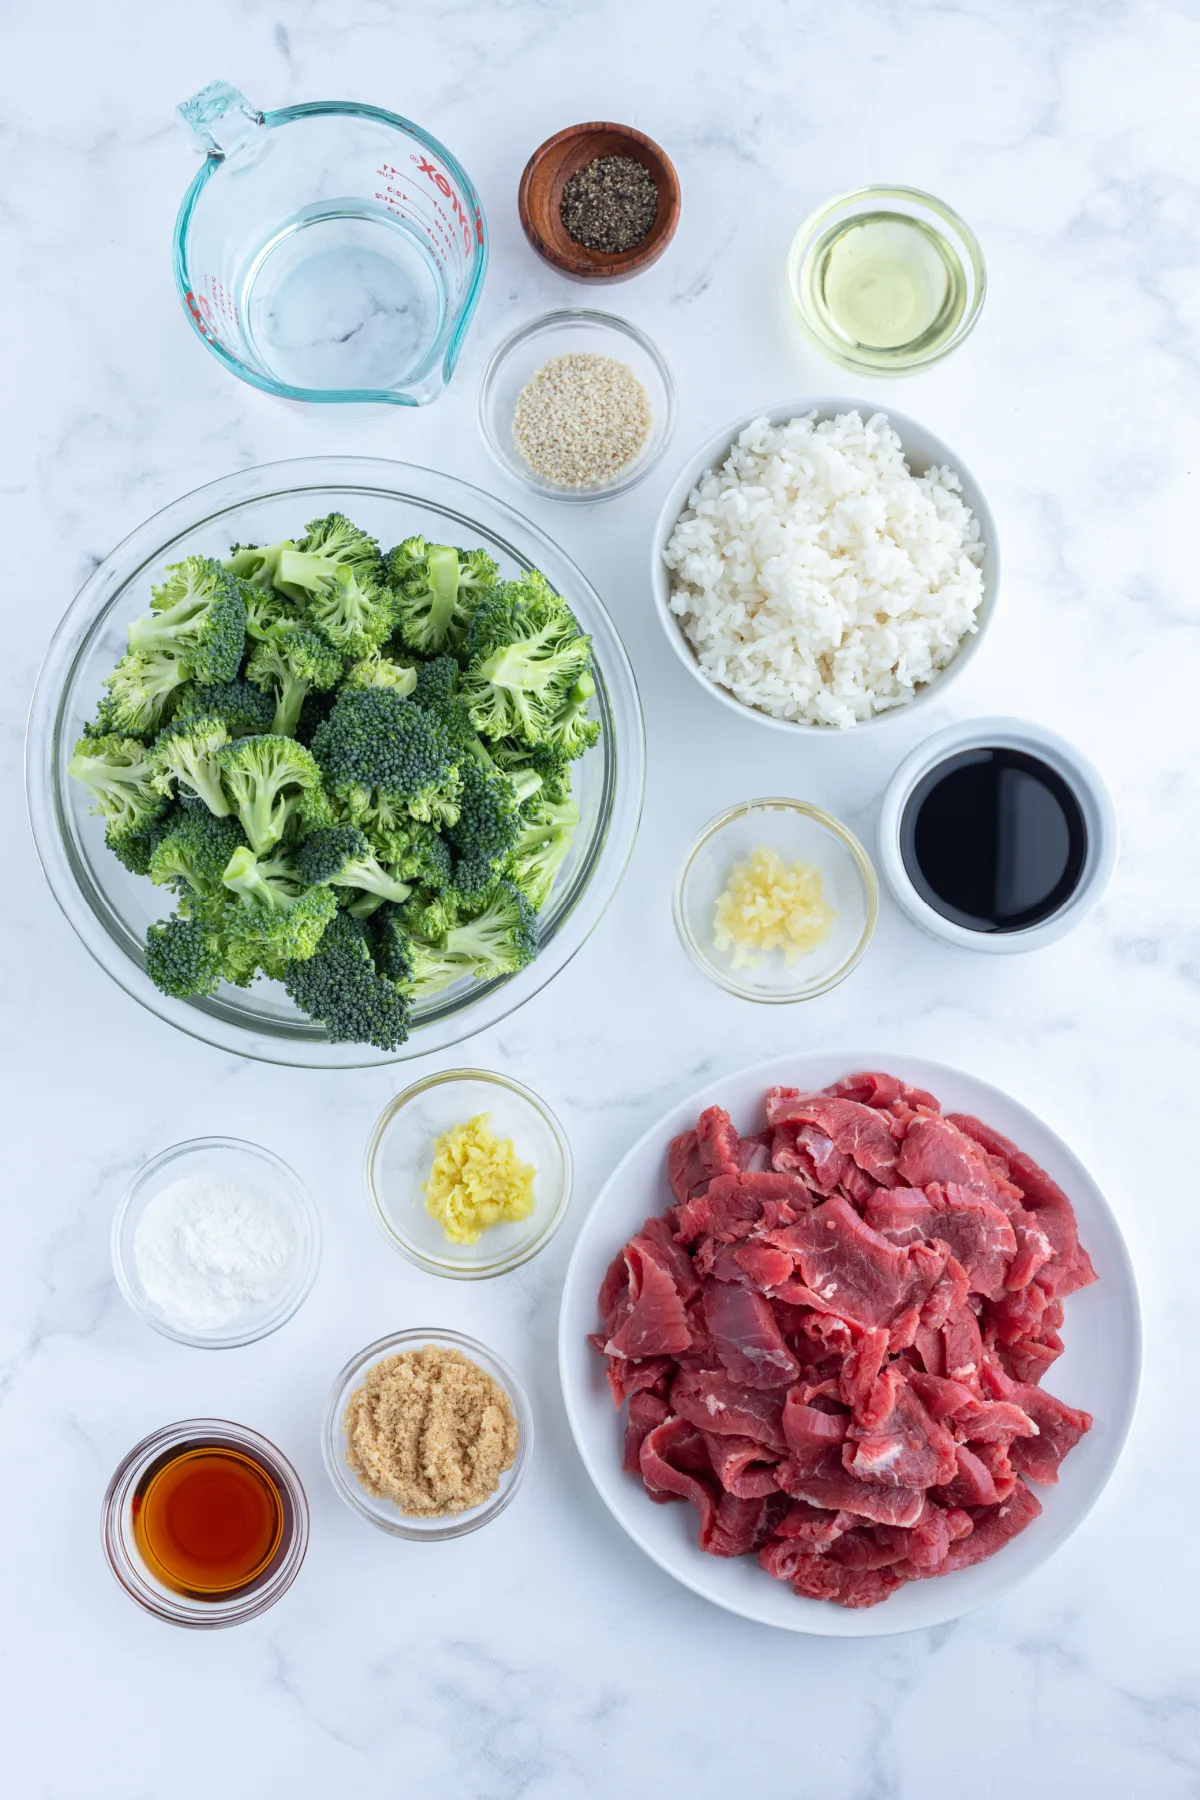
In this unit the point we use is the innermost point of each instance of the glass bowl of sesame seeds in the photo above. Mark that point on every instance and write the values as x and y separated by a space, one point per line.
577 405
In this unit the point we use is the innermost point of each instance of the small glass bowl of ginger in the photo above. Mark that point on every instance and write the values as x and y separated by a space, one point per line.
400 1158
775 901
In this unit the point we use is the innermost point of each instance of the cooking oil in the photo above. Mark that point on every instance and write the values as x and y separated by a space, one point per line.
887 285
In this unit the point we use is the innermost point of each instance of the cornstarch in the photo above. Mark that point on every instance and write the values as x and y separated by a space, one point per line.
207 1249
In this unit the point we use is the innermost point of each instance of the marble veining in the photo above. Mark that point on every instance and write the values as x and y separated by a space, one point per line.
545 1658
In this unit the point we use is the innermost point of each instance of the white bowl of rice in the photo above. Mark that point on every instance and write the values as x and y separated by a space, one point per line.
822 565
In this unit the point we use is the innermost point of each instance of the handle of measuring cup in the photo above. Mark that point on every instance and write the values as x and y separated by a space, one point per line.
220 117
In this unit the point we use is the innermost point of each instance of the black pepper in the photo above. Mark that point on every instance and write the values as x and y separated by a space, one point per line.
610 205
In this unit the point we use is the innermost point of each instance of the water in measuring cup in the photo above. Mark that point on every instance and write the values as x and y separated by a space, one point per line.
341 296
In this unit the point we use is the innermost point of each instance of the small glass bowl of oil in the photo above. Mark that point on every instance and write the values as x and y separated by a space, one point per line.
886 280
205 1523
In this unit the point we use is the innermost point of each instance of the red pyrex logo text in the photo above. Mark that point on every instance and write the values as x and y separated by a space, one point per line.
425 167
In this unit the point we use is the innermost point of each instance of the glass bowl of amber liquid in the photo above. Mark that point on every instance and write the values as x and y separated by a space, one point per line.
205 1524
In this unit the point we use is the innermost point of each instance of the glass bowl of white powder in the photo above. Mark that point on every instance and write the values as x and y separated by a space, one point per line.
216 1243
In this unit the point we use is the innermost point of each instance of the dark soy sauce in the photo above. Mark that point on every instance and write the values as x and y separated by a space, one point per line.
994 840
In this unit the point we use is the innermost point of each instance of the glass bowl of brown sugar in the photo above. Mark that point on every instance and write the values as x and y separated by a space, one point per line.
427 1386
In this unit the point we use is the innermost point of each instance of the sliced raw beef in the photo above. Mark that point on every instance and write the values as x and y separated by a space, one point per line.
674 1467
936 1150
995 1526
858 1131
742 1466
626 1377
652 1321
899 1444
744 1333
831 1341
979 1235
645 1412
852 1269
1058 1429
712 1401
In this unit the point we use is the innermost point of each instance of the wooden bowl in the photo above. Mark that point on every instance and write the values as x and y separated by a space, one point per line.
551 167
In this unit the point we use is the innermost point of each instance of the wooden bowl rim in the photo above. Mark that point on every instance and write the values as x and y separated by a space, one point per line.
578 260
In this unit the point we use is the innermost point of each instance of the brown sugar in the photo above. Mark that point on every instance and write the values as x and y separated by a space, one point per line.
430 1430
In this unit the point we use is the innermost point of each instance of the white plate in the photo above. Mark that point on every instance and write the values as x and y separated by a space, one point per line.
1098 1370
922 449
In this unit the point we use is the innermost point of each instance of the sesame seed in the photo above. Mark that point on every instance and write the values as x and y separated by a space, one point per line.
581 420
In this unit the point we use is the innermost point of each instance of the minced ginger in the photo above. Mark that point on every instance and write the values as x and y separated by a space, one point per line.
430 1430
476 1181
767 905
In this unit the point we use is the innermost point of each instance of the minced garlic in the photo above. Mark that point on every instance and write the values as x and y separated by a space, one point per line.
767 905
477 1181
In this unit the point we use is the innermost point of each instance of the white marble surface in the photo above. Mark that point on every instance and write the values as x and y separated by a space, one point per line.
544 1657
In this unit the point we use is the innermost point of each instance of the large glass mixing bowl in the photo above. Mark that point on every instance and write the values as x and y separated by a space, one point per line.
110 908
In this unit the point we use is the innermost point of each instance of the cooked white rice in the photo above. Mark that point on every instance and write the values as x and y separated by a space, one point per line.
818 579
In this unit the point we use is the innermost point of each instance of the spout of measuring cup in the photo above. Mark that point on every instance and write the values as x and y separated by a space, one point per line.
221 118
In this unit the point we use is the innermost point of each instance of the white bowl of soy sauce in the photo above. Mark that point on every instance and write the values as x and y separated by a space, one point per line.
997 835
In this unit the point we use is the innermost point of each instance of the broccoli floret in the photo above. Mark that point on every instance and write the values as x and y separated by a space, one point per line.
140 693
379 671
135 850
270 780
526 653
572 730
437 590
386 760
279 918
486 830
545 761
118 774
243 709
417 853
341 988
342 857
193 852
257 564
336 574
197 614
542 849
497 941
288 666
184 758
183 957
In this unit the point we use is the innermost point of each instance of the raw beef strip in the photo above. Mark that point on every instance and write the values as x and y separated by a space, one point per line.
653 1322
717 1141
743 1331
754 1153
874 1089
656 1241
725 1210
742 1466
994 1527
1034 1249
626 1377
817 1578
972 1484
713 1401
854 1270
900 1445
860 1369
673 1467
686 1174
811 1433
741 1525
762 1264
832 1486
858 1131
963 1348
811 1155
645 1412
1059 1428
980 1235
1043 1197
811 1527
936 1150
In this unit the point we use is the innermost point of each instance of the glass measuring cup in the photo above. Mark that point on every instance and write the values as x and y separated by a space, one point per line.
328 252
